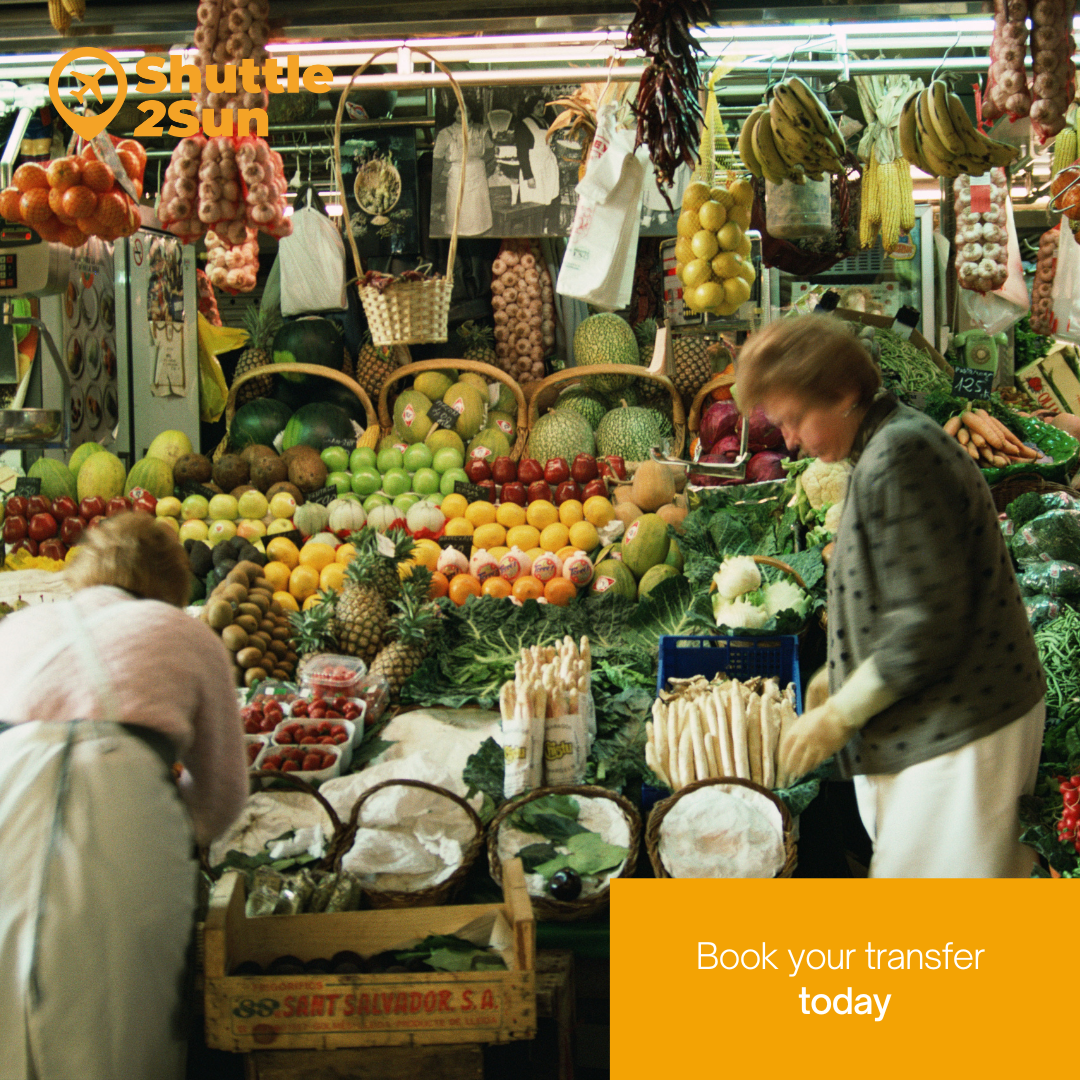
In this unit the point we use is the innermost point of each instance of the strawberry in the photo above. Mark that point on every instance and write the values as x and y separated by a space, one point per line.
308 740
313 763
339 739
290 766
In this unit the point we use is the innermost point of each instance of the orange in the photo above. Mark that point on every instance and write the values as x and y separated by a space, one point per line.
345 554
287 601
34 205
283 550
10 199
462 586
79 201
316 555
332 576
440 586
133 146
277 573
528 588
64 172
97 176
30 176
130 163
112 210
496 586
303 581
559 591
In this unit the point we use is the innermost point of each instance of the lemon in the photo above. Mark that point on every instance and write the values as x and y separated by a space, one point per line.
303 581
583 536
712 215
541 513
722 196
459 526
570 512
704 244
480 513
510 514
283 550
554 537
489 535
454 505
729 237
598 511
742 193
523 536
740 215
736 291
277 573
747 272
683 251
697 272
316 555
695 195
705 296
427 553
286 600
688 223
332 577
345 554
726 264
745 247
312 601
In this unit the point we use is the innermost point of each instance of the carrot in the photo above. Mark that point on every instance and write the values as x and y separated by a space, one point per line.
1001 461
973 451
986 454
1012 443
963 436
977 425
978 440
952 425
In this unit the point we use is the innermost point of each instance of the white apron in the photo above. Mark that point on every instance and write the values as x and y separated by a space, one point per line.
545 168
476 199
97 896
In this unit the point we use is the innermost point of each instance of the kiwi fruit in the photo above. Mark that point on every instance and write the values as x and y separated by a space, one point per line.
260 601
252 569
292 489
264 583
308 473
248 622
231 471
234 638
236 576
250 609
279 649
267 471
255 675
219 613
267 627
234 591
280 633
249 657
281 673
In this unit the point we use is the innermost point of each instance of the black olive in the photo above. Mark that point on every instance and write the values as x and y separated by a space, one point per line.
565 884
248 967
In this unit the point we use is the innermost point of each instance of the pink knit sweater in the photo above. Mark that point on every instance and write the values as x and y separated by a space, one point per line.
168 672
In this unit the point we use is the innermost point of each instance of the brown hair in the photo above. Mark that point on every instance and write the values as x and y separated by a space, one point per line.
815 356
133 551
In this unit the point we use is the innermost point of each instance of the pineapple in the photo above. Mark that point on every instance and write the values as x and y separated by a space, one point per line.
361 613
477 343
375 363
693 367
261 327
645 332
411 629
387 573
313 629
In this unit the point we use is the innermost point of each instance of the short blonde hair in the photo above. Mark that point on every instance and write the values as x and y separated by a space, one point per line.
133 551
815 356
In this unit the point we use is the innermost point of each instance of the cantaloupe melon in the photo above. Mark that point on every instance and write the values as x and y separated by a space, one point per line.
102 475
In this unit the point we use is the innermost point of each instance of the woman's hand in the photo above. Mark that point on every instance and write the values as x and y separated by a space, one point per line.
810 739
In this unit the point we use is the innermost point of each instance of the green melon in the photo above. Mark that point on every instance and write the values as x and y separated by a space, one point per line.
611 575
653 576
439 437
501 398
309 340
411 422
102 475
470 405
258 422
591 405
56 478
170 446
433 384
489 444
150 474
505 422
81 453
645 544
605 339
313 424
560 433
629 432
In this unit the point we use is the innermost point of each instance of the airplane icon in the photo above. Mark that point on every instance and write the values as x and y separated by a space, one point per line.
90 82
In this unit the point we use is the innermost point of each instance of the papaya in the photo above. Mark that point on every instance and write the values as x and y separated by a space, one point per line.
645 544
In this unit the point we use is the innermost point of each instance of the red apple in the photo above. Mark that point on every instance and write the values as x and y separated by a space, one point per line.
556 471
529 471
17 505
97 519
144 501
514 492
584 468
503 470
594 487
52 549
117 505
71 530
25 544
64 506
476 469
91 506
15 527
539 489
618 466
38 504
488 485
566 491
42 527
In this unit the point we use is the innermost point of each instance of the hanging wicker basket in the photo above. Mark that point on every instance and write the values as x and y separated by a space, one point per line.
405 312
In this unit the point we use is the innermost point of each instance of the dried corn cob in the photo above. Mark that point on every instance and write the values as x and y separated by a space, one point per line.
75 8
59 16
890 201
870 213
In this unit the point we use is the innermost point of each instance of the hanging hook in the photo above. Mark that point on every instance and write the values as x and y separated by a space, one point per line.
945 57
769 81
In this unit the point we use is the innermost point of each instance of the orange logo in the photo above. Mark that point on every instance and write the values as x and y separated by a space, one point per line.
88 126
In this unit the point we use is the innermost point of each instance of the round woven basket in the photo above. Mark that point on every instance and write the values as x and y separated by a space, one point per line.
660 810
300 784
371 431
436 894
386 419
546 907
1012 487
405 312
543 394
703 399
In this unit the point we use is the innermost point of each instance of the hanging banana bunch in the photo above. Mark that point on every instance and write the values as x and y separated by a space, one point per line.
61 12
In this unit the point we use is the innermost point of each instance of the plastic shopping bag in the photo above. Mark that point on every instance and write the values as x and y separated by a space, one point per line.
213 390
598 266
1065 291
312 262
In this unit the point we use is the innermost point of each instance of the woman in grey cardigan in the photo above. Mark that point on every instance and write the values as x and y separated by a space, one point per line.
933 698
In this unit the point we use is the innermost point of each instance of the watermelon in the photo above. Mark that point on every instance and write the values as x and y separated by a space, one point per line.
309 340
258 422
150 474
560 433
605 339
629 432
56 478
333 393
313 424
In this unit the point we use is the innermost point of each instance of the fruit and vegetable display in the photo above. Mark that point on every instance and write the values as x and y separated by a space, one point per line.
1043 320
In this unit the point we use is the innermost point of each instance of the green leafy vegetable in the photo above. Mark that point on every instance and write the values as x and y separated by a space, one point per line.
447 952
486 771
532 855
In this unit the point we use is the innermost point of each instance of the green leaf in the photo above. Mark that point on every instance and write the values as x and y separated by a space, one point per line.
485 771
808 565
799 797
591 854
532 855
552 866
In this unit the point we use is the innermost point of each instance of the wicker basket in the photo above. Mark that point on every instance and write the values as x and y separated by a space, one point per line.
436 894
545 392
660 810
386 419
703 399
548 908
1014 486
371 431
405 312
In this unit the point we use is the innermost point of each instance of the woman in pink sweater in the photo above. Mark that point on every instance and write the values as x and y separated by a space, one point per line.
101 694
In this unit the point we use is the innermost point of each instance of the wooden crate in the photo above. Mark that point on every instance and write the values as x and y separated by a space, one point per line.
326 1012
463 1062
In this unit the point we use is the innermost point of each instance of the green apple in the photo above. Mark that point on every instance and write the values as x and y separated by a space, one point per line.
170 506
449 457
405 501
390 458
335 458
283 505
195 506
449 478
362 457
366 480
279 525
193 529
250 528
252 504
375 499
223 508
341 480
395 482
425 481
349 496
171 524
418 456
221 529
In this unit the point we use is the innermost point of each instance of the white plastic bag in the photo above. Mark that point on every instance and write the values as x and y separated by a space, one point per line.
1066 287
598 266
312 263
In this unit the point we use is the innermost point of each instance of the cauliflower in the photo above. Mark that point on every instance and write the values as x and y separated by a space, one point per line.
739 614
738 574
825 483
784 595
832 516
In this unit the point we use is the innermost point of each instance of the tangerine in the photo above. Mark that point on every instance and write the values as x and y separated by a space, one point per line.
34 205
30 176
49 229
303 581
439 585
559 591
64 172
112 210
97 176
130 163
462 586
78 202
9 204
134 147
72 236
528 587
498 587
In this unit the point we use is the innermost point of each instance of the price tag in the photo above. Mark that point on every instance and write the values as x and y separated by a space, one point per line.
907 319
197 489
442 414
472 492
972 383
295 535
829 301
459 543
324 495
980 194
27 486
349 444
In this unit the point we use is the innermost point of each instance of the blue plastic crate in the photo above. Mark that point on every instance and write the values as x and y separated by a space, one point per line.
739 657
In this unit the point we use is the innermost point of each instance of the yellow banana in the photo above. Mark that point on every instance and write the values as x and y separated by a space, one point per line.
746 148
792 144
937 98
963 127
905 129
772 164
928 136
812 105
788 101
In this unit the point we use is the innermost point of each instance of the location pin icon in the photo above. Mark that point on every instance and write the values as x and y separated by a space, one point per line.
87 126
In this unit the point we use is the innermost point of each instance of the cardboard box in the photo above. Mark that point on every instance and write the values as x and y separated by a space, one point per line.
1034 378
885 322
